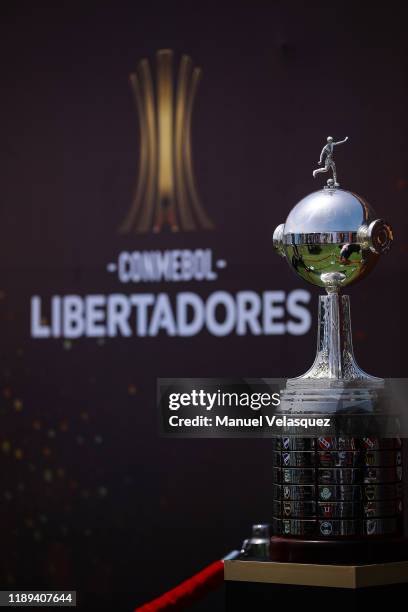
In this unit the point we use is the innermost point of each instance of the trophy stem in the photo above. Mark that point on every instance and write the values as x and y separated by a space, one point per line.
335 361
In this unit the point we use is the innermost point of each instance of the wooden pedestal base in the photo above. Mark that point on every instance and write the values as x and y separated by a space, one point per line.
256 585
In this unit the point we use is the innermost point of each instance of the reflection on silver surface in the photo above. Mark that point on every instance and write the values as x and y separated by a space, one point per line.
332 231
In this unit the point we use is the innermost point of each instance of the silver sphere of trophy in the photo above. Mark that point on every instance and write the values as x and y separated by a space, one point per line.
331 239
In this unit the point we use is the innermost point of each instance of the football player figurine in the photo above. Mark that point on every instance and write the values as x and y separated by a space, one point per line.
327 152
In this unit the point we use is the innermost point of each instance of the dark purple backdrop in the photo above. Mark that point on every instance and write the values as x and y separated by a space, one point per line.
91 498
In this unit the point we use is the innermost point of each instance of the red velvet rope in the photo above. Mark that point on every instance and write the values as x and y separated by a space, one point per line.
188 592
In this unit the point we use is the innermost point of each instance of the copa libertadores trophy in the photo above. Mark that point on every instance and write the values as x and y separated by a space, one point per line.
335 487
336 504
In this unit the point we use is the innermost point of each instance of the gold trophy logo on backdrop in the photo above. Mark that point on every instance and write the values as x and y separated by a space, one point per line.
166 194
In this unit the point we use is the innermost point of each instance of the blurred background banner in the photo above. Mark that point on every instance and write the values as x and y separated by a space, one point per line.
148 151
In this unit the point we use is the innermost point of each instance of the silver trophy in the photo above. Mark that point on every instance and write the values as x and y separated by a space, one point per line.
337 493
322 485
333 238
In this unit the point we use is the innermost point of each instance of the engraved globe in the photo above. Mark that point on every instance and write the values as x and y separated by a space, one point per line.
332 238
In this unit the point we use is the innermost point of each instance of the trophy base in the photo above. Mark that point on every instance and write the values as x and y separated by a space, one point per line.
353 551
